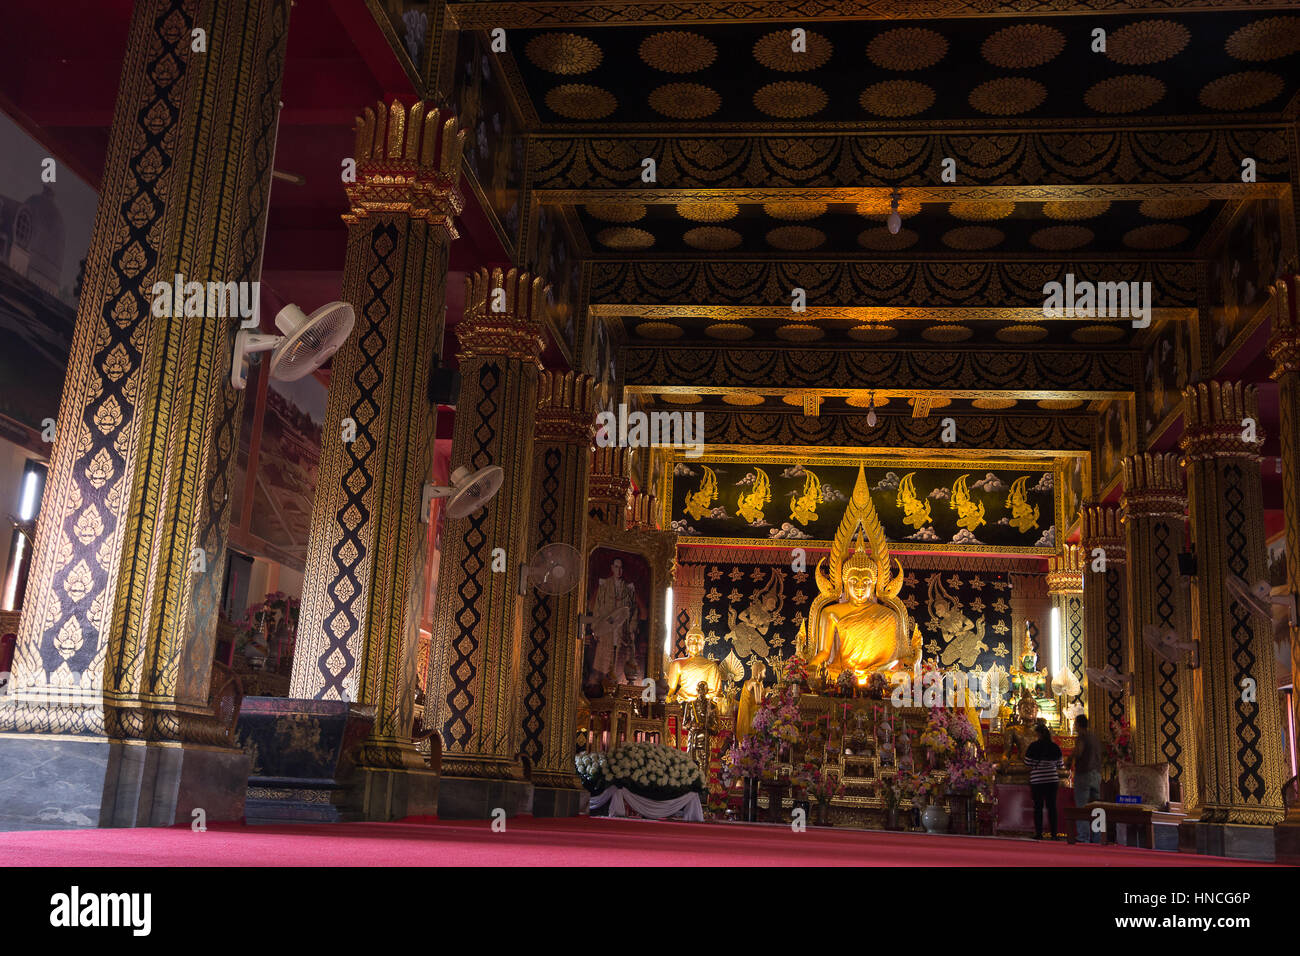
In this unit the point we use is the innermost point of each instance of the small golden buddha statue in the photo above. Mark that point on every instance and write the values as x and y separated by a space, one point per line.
857 624
687 673
751 698
699 718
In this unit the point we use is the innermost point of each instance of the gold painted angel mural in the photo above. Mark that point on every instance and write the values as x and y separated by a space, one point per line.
1024 516
699 503
803 507
970 513
749 630
963 639
751 503
916 512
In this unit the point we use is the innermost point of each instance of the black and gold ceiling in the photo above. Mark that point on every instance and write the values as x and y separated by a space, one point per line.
781 229
966 70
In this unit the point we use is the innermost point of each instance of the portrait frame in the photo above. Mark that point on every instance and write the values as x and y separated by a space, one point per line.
657 549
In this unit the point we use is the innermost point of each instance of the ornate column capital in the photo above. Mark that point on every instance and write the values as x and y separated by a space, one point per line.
1065 571
1101 528
1284 343
408 161
609 484
1214 417
564 408
1153 487
504 315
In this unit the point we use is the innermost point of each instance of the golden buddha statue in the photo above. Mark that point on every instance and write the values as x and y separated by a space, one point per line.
751 698
686 674
857 623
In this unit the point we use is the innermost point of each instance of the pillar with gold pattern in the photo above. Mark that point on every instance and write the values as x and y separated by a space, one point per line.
609 486
474 683
113 692
1152 511
1105 604
358 626
1284 350
552 659
1236 683
1065 587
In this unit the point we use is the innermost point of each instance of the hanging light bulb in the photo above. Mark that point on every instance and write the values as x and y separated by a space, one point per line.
871 411
895 221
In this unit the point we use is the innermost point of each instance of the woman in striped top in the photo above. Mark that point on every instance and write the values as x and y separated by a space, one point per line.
1044 759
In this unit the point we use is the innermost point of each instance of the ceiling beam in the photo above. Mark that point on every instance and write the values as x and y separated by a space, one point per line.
1056 161
539 14
1039 373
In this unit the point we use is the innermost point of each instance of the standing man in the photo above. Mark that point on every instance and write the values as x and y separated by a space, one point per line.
1086 761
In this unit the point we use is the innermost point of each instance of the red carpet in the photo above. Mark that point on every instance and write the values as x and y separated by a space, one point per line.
527 841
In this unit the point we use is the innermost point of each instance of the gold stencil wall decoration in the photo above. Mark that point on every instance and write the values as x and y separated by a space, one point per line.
625 237
685 101
981 211
1124 94
775 51
118 631
1083 209
896 98
907 48
795 238
617 212
1023 46
678 51
712 238
567 54
708 211
581 101
1147 42
1057 238
973 238
1160 235
1269 38
1007 96
1021 334
790 100
1242 91
794 211
1172 208
881 239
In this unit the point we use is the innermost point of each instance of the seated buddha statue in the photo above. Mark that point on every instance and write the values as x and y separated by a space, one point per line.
857 624
686 674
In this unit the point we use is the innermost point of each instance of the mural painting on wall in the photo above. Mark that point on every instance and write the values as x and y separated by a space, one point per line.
1166 369
1113 429
556 261
494 148
282 479
753 611
616 637
1248 261
980 505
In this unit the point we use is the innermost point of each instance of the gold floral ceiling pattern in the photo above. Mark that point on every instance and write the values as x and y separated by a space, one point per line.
877 71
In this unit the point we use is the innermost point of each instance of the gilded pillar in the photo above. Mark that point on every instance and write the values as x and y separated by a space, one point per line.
552 663
117 636
474 681
1065 587
609 486
1152 511
362 590
1235 687
1284 350
1105 604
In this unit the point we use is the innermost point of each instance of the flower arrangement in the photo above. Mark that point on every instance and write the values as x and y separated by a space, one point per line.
794 670
821 786
778 718
752 756
935 738
592 770
923 788
971 777
655 771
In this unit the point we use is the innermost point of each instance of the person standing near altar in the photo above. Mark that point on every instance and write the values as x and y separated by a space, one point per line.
1044 759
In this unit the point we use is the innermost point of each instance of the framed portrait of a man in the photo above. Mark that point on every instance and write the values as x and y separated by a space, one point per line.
622 639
